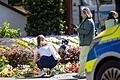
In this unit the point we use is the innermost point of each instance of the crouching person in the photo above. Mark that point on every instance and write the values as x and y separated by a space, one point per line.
49 56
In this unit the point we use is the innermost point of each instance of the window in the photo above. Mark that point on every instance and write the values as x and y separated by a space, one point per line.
87 2
105 2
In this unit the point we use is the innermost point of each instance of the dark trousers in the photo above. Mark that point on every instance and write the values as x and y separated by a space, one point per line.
47 62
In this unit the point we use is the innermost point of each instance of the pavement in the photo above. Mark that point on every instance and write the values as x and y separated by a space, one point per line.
67 76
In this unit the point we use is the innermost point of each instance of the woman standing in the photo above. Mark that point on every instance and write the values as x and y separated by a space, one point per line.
112 19
86 33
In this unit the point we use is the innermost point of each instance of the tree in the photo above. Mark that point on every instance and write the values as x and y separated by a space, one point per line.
47 17
16 2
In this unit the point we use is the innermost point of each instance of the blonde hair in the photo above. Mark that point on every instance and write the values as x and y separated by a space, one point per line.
87 12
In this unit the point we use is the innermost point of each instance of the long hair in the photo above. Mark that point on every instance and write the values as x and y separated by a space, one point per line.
39 40
87 12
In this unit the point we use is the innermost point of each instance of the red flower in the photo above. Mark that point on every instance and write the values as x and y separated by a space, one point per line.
76 69
73 65
70 69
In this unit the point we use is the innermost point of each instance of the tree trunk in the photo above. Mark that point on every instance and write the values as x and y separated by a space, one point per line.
68 16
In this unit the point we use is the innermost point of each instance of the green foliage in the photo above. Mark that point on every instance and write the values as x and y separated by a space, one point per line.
19 56
47 17
16 51
102 27
6 32
16 2
3 62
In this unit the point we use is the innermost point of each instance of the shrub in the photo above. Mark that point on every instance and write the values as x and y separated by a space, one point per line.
19 56
3 62
6 32
47 17
16 51
72 56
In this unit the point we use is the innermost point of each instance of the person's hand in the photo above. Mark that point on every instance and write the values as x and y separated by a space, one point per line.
75 26
75 29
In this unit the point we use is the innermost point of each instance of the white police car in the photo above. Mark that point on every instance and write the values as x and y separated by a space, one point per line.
103 61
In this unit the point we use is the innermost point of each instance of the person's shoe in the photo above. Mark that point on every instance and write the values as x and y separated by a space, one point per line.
79 77
42 73
52 72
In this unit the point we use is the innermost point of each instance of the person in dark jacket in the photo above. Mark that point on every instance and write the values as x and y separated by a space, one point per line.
86 33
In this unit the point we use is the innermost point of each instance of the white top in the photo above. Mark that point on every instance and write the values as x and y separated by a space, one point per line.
48 50
109 23
43 51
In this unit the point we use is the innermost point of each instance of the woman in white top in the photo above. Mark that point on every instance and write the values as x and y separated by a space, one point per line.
112 19
49 56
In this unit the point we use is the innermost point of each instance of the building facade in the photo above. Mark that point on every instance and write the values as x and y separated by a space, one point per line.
15 17
99 8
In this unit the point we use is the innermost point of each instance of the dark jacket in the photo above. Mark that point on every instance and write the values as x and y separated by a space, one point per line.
86 32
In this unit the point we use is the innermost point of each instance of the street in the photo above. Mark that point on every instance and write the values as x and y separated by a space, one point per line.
67 76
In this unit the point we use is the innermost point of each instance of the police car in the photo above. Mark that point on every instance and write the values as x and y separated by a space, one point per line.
103 61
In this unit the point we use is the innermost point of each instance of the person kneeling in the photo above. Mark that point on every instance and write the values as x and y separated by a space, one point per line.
49 55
